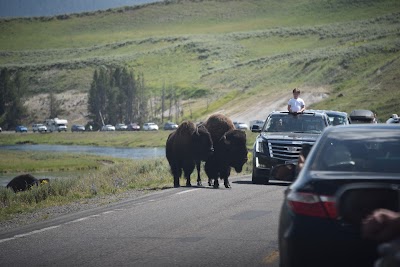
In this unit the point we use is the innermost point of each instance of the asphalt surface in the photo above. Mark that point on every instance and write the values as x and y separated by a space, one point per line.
187 226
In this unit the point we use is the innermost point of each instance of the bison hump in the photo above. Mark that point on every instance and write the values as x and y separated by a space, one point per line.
218 125
186 128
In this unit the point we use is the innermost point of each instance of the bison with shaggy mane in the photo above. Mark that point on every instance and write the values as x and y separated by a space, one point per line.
230 149
185 148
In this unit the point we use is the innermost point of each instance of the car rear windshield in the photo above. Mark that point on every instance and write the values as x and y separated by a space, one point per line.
295 123
362 151
336 119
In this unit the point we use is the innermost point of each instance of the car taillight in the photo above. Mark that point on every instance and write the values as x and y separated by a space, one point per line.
312 205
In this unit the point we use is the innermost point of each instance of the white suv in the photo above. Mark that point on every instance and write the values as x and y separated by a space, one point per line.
38 127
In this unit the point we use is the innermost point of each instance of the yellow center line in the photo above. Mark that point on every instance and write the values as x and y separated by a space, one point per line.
271 257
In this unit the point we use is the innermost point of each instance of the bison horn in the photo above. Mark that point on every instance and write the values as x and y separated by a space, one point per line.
225 140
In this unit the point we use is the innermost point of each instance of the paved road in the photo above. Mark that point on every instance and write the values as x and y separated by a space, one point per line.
174 227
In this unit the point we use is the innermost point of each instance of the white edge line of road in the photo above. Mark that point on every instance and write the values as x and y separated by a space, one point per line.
28 234
81 219
187 191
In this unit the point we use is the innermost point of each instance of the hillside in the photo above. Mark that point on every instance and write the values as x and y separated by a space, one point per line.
247 54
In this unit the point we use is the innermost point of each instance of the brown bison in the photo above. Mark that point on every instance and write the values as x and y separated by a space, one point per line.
230 149
185 148
24 182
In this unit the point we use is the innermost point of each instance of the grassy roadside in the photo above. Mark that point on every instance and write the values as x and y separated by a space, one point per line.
103 175
107 180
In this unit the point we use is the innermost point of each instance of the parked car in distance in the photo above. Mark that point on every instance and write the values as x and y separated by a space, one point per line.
133 127
108 127
240 125
121 127
360 116
38 127
394 118
170 126
150 126
77 128
21 129
311 233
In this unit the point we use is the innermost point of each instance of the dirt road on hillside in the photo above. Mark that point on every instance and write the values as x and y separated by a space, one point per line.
260 108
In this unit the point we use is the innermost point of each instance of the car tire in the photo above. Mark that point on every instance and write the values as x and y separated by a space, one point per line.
255 179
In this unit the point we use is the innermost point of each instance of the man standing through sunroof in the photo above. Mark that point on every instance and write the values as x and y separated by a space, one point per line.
296 104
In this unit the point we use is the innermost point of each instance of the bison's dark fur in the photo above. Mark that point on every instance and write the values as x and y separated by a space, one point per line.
185 148
230 149
24 182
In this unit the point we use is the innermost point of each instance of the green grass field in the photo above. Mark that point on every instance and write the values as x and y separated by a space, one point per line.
352 48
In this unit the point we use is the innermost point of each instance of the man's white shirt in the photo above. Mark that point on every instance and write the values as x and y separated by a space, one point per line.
296 104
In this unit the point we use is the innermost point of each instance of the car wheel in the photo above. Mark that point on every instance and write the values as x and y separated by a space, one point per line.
256 179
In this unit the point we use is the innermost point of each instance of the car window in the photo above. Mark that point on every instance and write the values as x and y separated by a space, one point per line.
291 123
337 119
363 152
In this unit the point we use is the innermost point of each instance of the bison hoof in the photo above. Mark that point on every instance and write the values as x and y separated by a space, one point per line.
209 183
188 184
199 184
227 185
176 185
216 185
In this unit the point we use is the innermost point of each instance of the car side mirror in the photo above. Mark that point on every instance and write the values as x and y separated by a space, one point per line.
255 129
284 172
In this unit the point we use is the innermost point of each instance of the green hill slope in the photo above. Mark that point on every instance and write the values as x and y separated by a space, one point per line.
236 49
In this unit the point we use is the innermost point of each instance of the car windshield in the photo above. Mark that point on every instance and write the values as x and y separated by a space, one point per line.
374 151
294 123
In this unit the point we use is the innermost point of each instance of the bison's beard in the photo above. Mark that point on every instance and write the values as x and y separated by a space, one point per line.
238 169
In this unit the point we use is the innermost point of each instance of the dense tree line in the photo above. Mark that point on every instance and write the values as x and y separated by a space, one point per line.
12 90
117 96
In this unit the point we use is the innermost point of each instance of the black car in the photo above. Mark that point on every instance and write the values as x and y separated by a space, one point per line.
361 116
77 128
335 117
281 140
310 231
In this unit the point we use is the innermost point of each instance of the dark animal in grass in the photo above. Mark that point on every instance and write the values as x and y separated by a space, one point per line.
24 182
230 149
186 147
